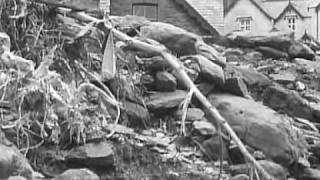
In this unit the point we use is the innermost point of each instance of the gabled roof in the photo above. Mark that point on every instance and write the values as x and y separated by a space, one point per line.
206 12
299 9
274 9
256 3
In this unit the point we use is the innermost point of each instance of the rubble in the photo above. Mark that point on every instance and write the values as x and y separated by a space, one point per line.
59 109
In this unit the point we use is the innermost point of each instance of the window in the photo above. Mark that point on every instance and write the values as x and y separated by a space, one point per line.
148 10
292 23
245 24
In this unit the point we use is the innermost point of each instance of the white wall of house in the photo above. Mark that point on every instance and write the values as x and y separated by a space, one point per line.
302 25
245 8
315 23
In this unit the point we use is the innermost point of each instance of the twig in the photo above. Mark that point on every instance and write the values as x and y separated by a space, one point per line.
185 105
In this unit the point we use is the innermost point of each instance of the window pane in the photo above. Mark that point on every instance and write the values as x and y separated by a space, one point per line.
147 10
151 12
138 10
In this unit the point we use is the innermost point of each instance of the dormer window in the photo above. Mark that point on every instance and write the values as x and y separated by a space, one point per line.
292 20
148 10
245 24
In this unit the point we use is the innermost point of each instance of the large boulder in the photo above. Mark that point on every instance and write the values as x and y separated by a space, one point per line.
290 102
261 128
13 163
180 41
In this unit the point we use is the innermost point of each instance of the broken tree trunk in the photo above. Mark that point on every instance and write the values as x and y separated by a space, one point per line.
174 63
281 42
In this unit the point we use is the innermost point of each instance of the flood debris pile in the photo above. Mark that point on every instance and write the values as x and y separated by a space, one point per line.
88 97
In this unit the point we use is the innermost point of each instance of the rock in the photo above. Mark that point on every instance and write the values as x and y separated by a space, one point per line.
191 67
93 155
13 163
180 41
305 66
193 114
205 128
17 178
165 81
209 70
233 51
212 147
272 52
136 112
275 170
300 50
250 76
236 155
156 63
77 174
174 38
236 85
309 174
261 128
210 53
290 102
284 78
206 87
240 177
253 57
165 100
300 86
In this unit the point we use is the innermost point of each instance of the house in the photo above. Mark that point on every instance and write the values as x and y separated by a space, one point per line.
204 17
256 17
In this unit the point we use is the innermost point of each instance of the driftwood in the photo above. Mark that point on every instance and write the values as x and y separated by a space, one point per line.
174 63
283 43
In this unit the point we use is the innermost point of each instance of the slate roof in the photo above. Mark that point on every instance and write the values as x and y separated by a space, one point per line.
206 12
210 10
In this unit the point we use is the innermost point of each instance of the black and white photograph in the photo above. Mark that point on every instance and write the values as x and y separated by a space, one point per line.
159 89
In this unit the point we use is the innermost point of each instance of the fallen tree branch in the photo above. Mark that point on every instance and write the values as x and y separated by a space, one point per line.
174 63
